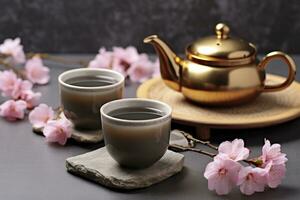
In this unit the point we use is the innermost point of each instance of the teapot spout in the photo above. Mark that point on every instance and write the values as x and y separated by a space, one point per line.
170 63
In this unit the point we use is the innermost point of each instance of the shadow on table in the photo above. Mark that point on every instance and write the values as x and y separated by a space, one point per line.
280 133
281 192
70 143
181 186
87 146
164 186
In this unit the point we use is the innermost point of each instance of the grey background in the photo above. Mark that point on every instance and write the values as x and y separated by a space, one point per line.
82 26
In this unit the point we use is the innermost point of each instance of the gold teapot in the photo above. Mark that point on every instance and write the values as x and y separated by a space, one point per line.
219 70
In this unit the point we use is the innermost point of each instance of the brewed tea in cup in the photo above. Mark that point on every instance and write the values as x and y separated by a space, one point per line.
83 91
136 131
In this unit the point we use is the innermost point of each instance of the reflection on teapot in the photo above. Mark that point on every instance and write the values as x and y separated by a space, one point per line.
219 69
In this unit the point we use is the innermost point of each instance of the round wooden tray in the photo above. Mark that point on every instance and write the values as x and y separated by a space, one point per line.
268 109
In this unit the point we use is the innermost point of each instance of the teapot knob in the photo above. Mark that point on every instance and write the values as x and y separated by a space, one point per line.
222 31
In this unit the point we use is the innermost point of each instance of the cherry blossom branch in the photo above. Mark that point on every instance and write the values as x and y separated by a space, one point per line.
182 148
57 59
8 66
254 161
58 111
191 138
177 147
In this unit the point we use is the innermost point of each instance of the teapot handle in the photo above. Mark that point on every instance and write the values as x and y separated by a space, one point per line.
291 65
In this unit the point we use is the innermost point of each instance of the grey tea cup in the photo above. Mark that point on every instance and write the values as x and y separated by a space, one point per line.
81 104
136 143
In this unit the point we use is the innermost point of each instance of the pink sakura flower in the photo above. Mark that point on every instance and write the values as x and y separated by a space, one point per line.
58 131
275 175
222 175
252 180
273 158
225 171
31 98
123 58
13 110
272 153
14 49
40 115
102 60
8 80
126 61
141 70
36 72
235 150
17 88
20 87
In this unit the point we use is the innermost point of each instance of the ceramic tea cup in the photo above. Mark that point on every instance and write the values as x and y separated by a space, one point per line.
136 131
83 91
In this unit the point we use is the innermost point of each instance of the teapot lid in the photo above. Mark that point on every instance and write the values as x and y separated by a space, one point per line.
221 49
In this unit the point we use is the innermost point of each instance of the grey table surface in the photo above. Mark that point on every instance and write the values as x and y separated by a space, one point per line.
32 169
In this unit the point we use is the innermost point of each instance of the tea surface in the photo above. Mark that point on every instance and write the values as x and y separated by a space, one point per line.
136 113
91 81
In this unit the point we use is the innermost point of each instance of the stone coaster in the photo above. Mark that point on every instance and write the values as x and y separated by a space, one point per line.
99 167
80 136
87 136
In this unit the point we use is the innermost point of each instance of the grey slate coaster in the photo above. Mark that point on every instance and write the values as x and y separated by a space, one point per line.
99 167
87 136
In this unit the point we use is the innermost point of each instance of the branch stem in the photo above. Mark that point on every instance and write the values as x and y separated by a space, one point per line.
176 147
191 138
10 67
56 59
182 148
